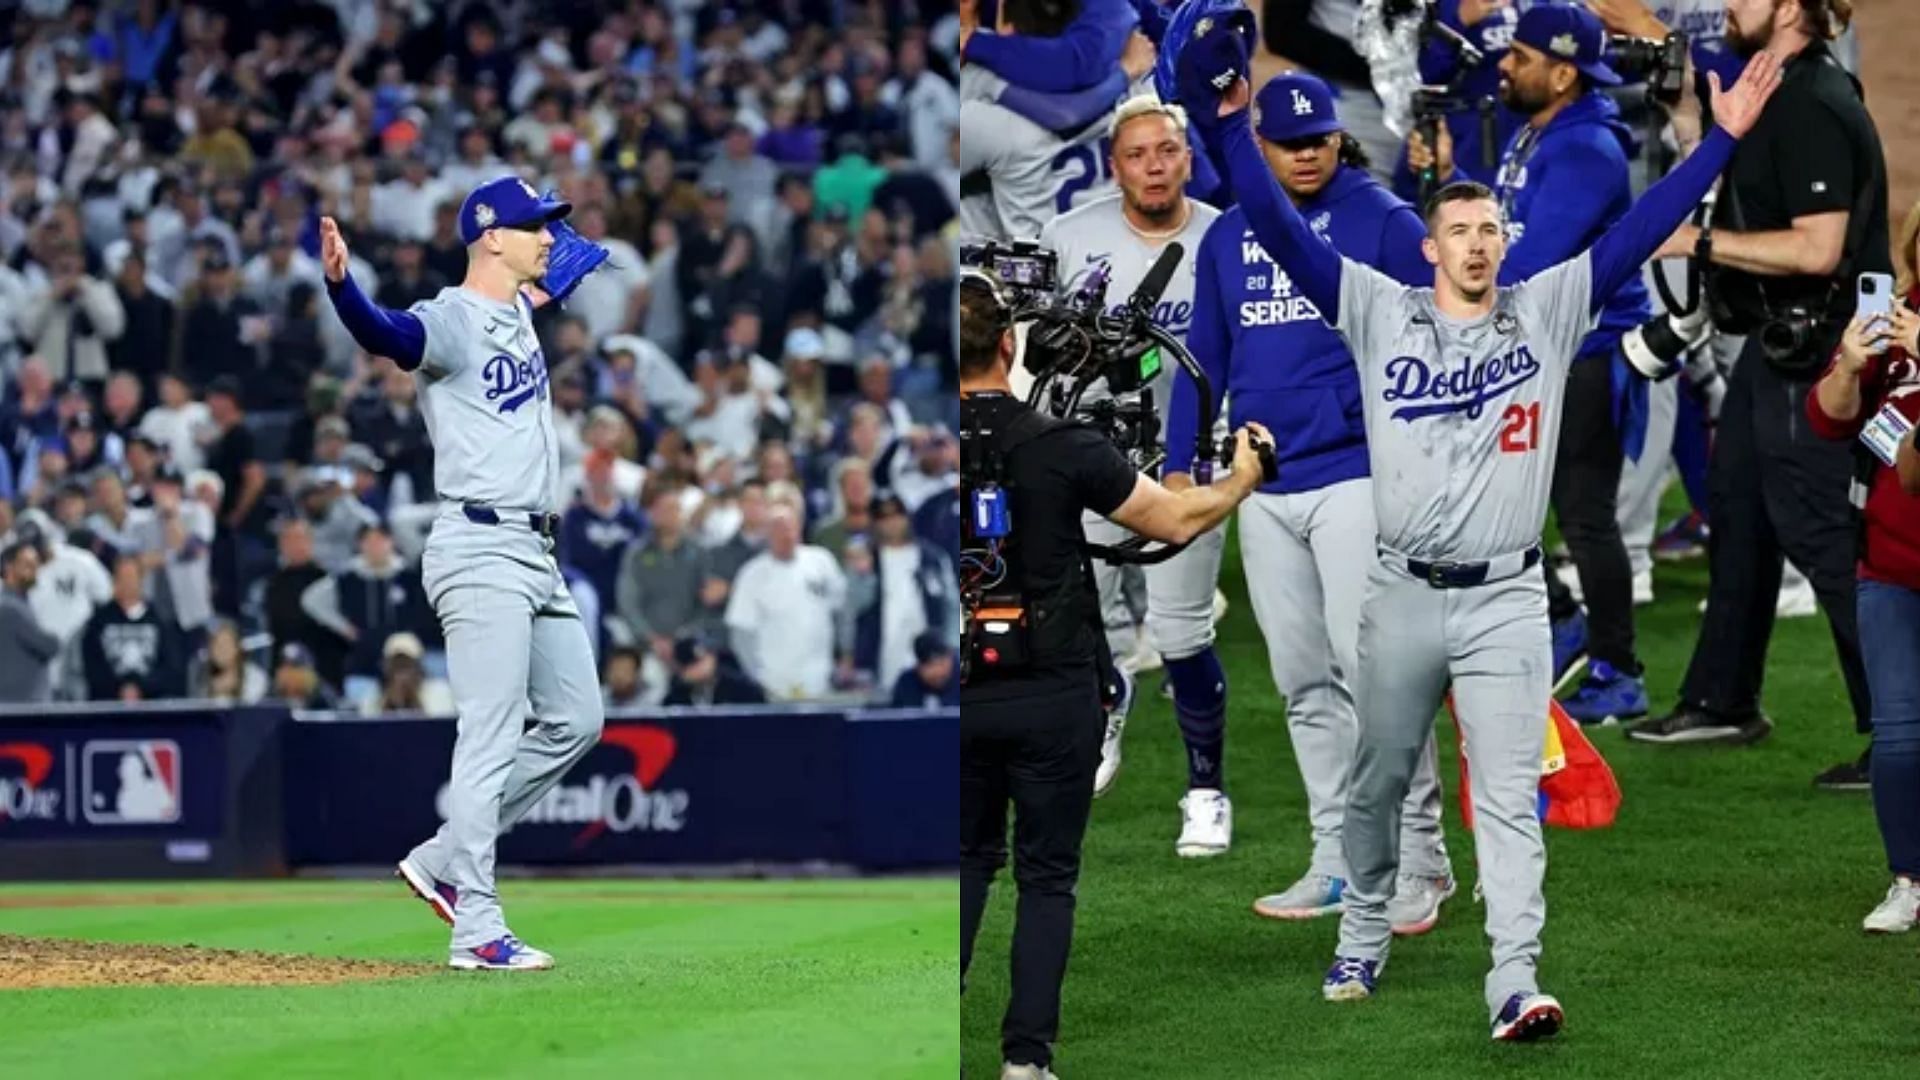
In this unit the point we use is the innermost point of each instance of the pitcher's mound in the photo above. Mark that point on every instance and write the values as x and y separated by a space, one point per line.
29 963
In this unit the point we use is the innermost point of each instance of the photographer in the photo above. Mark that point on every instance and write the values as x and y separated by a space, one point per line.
1563 181
1032 736
1801 213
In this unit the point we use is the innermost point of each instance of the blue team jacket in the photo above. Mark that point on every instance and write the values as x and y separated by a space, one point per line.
1493 36
1263 343
1561 188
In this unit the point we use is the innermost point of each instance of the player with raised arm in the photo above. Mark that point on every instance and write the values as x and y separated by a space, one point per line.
513 633
1462 385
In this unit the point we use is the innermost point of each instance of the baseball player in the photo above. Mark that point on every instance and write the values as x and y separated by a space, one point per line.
1015 174
1307 539
513 634
1461 391
1125 233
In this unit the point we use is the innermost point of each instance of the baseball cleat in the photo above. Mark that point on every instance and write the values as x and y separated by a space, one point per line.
1527 1018
1607 696
1206 826
1898 912
1415 906
1351 979
1685 538
1309 898
1109 770
438 895
1010 1071
506 953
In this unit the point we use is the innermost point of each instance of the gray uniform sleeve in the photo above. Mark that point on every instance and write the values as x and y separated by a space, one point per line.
444 321
1555 308
1366 297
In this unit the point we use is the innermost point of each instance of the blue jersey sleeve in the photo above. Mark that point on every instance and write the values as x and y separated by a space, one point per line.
1079 58
1064 114
1314 266
1632 240
1210 339
397 335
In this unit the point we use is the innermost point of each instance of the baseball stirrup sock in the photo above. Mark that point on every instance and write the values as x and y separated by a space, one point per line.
1200 702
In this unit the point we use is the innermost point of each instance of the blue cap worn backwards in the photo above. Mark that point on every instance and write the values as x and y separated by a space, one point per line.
1294 106
1570 34
504 203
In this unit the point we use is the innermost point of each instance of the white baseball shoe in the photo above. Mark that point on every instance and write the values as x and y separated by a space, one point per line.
1206 826
506 953
1109 770
1309 898
1415 906
1643 588
1898 913
1010 1071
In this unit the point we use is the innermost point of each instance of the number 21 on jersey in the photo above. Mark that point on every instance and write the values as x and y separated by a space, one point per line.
1085 167
1520 428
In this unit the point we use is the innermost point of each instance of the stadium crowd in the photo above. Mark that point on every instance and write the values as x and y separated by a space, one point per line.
207 490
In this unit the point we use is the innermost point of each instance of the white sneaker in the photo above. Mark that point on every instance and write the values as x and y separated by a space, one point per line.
1219 606
1796 600
1898 912
1109 769
1643 588
1415 906
1309 898
1206 826
1143 657
1010 1071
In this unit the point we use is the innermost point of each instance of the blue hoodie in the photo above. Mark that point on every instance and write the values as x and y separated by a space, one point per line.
1561 187
1262 342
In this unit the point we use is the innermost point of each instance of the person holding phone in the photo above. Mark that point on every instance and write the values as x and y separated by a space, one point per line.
1870 397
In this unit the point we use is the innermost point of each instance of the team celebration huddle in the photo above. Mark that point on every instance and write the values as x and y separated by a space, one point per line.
1443 265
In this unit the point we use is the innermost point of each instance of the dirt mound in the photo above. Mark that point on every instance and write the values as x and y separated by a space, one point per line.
30 963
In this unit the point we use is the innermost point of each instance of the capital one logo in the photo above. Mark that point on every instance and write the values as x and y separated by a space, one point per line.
23 769
624 802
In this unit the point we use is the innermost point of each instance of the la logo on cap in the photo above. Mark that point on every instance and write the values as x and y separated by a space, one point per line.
1301 106
1564 45
483 215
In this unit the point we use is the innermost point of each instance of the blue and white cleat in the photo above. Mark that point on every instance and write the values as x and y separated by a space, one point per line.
1351 979
438 895
1309 898
507 953
1528 1018
1607 696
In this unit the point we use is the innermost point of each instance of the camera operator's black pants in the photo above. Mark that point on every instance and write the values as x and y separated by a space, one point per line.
1038 753
1774 487
1586 490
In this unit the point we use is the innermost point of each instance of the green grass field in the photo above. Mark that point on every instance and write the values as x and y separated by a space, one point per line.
728 979
1713 931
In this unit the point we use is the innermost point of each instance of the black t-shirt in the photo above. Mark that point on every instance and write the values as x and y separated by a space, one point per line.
1052 479
228 459
1814 150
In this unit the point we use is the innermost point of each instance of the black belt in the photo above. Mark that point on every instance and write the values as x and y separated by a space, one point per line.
1463 575
547 525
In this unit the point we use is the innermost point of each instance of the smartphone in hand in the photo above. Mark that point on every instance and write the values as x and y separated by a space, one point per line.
1874 298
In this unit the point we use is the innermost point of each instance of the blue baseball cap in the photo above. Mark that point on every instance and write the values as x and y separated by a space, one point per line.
1294 106
505 202
1184 23
1572 35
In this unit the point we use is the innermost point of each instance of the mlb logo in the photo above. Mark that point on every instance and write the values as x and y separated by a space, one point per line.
130 781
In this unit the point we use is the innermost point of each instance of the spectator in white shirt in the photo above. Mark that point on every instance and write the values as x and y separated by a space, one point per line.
784 615
613 299
71 584
477 162
179 425
930 103
728 415
268 277
404 207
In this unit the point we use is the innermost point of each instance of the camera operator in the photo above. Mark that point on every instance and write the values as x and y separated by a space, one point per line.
1032 736
1801 212
1563 181
1488 26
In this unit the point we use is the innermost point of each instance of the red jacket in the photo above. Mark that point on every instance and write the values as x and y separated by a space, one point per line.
1892 551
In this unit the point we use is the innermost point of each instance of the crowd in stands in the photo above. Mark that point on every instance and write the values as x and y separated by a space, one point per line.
206 488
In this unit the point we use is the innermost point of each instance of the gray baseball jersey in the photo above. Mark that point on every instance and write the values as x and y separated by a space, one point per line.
1035 174
484 396
1463 418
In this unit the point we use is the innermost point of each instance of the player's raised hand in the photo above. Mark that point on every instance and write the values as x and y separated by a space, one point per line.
333 250
1735 109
